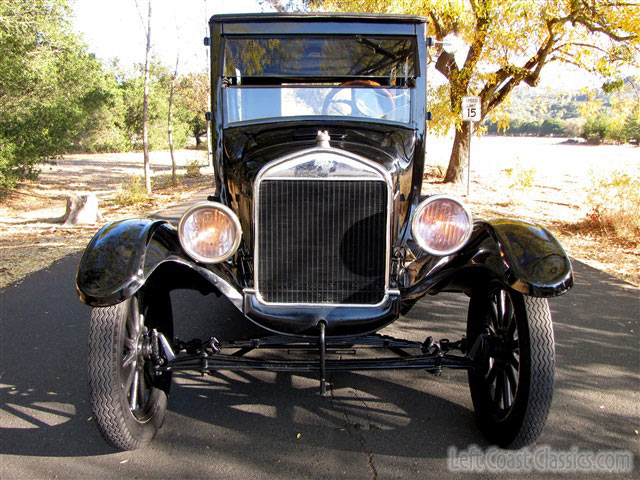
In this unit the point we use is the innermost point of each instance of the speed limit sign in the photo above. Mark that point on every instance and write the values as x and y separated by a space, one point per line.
471 112
471 109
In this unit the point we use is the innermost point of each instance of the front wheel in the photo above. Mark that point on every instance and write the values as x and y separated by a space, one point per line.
128 397
512 384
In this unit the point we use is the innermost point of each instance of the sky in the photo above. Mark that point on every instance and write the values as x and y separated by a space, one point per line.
113 29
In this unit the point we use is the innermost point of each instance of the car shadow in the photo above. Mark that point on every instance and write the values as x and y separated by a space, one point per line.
45 408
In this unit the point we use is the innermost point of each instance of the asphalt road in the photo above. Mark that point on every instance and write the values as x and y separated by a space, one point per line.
267 425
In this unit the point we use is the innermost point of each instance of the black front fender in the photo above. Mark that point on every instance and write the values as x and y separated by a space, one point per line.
124 255
522 255
532 261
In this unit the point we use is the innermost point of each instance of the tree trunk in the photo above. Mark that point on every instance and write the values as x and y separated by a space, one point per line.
459 160
209 151
169 126
208 122
170 133
145 108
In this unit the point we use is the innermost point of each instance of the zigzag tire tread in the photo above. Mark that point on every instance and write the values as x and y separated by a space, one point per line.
103 378
542 371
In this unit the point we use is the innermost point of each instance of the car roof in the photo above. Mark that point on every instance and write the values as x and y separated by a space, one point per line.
316 17
317 23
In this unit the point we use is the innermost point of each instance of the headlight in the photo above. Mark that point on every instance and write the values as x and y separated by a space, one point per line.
441 225
210 232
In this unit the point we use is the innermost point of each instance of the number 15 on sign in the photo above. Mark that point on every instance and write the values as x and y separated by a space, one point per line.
471 109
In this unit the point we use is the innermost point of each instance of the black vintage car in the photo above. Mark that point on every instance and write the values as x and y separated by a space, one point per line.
318 232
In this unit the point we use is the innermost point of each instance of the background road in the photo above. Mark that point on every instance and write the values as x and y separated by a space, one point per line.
268 425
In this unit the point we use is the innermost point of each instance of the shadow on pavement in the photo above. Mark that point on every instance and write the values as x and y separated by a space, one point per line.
45 408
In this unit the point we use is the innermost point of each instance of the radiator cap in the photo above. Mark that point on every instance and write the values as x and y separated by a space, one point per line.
323 139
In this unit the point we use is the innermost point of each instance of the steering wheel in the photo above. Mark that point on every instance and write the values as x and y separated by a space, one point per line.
357 107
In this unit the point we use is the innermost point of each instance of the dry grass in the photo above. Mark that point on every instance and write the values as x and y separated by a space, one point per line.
132 191
551 208
614 203
521 176
193 169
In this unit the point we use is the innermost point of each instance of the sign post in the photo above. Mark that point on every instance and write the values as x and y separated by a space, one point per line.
471 112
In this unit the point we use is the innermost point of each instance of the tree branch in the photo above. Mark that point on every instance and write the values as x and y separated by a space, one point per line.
144 27
446 63
475 50
576 44
436 25
513 75
499 97
279 7
565 60
583 16
540 59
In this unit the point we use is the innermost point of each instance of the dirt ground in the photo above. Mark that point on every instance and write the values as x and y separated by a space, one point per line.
561 176
540 180
31 236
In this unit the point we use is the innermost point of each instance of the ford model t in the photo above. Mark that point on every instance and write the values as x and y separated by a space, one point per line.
318 232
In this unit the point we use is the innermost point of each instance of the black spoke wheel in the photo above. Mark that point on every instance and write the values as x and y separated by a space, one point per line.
128 397
512 384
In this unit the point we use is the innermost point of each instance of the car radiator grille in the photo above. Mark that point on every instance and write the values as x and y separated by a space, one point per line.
322 241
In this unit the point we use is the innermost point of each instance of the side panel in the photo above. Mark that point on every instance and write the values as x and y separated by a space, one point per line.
216 105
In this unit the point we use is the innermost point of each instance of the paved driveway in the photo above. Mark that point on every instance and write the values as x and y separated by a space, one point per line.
267 425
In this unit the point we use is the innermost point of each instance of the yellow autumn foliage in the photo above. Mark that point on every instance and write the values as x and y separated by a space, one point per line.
510 42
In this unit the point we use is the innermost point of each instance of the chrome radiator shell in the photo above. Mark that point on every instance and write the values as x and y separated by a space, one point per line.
319 184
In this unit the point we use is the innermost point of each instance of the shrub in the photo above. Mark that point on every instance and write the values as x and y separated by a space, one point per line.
132 191
160 182
520 176
612 128
553 127
595 129
614 205
108 138
632 128
193 169
13 168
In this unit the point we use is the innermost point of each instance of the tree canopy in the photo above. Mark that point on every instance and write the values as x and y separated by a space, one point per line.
510 42
56 97
48 84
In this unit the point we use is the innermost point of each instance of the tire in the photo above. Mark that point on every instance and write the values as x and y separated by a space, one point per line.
512 387
118 360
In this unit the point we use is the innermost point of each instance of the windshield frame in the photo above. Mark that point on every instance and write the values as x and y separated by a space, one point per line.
296 81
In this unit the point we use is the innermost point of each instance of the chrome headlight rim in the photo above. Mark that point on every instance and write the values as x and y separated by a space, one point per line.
216 206
420 241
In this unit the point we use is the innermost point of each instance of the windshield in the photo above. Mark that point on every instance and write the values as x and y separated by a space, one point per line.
389 60
256 103
366 77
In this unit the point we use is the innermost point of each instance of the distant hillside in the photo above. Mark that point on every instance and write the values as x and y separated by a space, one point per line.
561 114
